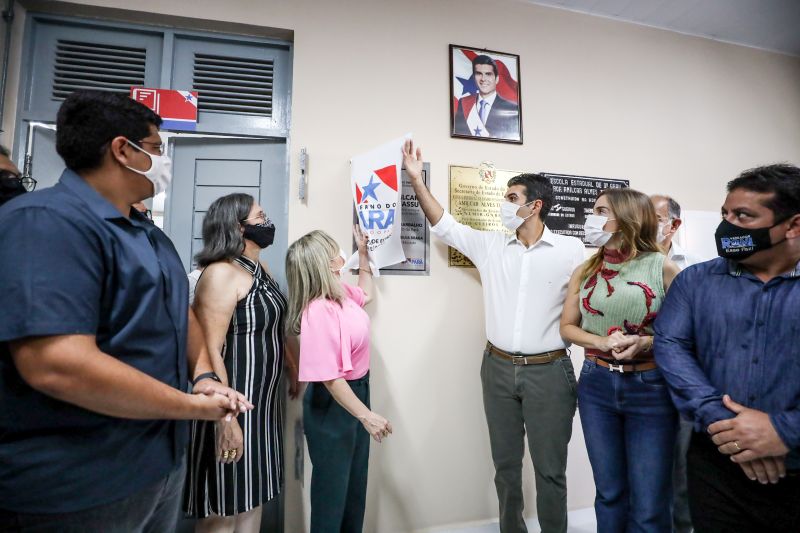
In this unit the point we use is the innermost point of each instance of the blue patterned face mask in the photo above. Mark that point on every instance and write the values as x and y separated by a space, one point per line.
736 242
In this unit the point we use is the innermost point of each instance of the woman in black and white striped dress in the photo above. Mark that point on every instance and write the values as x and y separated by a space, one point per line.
236 466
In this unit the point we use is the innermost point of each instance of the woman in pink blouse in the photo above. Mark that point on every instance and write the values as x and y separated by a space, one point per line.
328 316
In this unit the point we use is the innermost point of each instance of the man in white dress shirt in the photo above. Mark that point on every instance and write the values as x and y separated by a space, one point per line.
668 212
527 376
669 220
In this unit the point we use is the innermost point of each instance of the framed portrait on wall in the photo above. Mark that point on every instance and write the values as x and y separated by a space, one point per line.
485 96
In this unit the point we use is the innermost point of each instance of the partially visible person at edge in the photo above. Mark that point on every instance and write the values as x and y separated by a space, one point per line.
333 327
12 184
527 378
668 212
236 466
728 342
628 420
97 341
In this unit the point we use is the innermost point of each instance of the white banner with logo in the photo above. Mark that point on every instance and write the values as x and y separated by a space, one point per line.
375 184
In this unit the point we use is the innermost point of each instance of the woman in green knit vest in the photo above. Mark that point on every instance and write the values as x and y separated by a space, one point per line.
628 420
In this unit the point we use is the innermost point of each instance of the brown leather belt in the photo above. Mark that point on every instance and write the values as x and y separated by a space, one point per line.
523 359
622 368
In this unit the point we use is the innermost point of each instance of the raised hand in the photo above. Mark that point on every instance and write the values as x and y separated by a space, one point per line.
361 239
412 160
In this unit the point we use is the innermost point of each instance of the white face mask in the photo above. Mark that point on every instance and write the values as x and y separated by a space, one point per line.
160 171
341 270
509 217
595 233
660 237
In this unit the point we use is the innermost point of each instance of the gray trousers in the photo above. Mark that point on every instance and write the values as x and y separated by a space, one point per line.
539 400
154 509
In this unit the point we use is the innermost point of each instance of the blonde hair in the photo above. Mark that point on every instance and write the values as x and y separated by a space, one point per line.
308 272
636 220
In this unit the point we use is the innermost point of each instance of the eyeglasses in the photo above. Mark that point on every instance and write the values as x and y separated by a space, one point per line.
158 146
27 182
261 216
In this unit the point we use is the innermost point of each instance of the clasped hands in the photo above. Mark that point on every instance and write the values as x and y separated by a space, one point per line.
751 442
623 347
236 402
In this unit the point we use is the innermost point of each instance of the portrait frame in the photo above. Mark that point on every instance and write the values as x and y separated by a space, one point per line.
503 120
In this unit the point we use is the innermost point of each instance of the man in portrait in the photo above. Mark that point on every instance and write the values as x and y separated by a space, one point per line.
486 113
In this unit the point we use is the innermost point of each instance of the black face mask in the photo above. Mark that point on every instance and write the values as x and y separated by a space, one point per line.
261 234
736 242
10 187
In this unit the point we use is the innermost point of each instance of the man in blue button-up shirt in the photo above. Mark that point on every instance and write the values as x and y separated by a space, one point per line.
97 343
728 343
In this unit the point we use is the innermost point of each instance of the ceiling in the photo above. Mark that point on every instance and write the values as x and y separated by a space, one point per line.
768 24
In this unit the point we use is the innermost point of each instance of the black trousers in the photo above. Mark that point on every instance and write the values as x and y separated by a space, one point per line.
723 500
339 449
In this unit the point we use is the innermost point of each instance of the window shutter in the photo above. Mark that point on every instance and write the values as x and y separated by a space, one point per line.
233 85
83 65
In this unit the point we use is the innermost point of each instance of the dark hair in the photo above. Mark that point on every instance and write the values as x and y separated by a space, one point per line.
88 120
5 152
782 179
222 239
537 187
484 60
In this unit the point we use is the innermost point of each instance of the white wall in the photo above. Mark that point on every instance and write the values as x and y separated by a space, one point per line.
674 114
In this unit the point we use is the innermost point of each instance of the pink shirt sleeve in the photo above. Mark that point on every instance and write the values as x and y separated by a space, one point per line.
324 348
355 293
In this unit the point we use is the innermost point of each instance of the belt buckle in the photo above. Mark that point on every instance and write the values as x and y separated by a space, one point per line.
616 368
518 360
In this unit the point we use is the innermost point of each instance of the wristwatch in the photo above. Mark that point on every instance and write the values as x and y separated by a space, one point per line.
206 375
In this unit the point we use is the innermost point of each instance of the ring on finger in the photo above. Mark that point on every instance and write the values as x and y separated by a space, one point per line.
736 445
225 454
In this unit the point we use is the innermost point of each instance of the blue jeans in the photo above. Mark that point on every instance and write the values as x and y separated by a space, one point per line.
630 426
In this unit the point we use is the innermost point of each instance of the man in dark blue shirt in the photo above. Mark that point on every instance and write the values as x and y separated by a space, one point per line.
97 342
728 343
